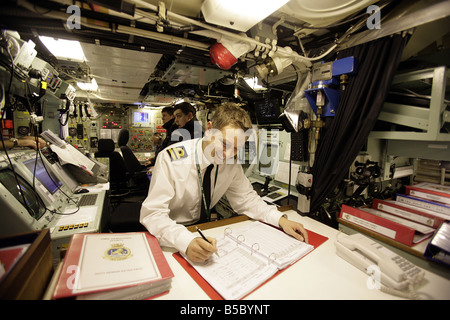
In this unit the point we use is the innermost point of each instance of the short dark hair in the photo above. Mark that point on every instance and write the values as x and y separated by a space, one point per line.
168 110
185 107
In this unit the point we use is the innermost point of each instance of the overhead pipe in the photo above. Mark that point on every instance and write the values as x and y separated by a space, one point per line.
162 37
219 33
121 29
215 33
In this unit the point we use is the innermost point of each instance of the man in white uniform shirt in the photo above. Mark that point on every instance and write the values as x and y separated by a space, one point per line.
174 197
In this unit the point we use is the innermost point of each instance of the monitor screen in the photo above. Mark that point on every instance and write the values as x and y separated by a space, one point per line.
28 197
268 159
44 176
268 110
140 117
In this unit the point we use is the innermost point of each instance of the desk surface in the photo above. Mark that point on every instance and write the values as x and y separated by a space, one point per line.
319 275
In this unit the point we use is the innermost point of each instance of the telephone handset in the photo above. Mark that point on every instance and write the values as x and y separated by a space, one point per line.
395 272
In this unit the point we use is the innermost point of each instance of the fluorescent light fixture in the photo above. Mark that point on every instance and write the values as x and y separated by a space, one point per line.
239 15
88 86
64 49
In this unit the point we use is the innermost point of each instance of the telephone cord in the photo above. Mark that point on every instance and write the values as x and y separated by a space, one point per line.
410 294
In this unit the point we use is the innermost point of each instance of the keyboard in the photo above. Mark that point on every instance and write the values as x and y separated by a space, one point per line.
87 200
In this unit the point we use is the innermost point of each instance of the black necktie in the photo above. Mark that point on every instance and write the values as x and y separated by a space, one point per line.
207 191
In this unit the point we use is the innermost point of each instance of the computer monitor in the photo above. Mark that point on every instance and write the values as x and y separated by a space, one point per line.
50 188
268 110
140 117
22 208
43 175
23 192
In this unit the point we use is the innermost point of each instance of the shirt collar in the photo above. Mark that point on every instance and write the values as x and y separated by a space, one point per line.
204 162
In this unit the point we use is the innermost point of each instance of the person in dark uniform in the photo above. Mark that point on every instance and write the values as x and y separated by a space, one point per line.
168 119
189 127
169 124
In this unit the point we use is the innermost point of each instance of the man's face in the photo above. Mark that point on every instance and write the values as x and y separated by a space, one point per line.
166 117
224 144
181 119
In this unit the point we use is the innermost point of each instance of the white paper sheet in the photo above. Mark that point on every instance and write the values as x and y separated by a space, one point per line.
110 261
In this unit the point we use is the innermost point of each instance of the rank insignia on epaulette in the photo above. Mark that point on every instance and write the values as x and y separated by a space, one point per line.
177 153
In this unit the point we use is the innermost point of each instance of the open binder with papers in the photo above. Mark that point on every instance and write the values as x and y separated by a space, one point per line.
274 247
246 258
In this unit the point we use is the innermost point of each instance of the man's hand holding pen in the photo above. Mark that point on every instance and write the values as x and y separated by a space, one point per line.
200 249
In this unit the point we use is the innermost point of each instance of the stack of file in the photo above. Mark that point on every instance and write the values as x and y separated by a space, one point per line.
410 219
430 196
113 266
423 216
388 225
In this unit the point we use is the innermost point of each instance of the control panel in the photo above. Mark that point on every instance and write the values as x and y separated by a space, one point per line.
141 139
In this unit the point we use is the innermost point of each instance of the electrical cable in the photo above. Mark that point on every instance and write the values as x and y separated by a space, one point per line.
20 191
30 109
59 188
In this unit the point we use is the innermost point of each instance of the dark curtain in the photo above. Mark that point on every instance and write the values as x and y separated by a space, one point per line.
358 110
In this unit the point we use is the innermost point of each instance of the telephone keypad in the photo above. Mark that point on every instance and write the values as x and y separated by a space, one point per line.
409 268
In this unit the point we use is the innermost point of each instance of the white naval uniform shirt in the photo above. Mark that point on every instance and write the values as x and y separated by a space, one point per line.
174 194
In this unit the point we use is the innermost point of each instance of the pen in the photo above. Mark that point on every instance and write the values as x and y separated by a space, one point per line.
201 233
203 236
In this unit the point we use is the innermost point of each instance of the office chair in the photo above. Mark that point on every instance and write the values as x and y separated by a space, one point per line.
124 209
132 163
138 171
118 173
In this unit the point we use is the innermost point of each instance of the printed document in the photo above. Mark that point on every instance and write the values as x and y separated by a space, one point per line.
111 260
249 256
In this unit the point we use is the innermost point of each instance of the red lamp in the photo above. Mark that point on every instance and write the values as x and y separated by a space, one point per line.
221 56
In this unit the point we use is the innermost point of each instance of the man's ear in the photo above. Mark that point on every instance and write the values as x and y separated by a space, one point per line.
208 125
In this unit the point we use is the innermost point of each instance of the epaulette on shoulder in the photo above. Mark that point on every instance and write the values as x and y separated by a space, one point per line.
177 153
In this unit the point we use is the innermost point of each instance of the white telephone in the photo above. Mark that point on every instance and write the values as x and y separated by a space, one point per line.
396 273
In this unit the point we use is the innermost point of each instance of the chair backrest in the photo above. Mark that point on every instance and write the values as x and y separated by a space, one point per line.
132 163
117 168
105 147
124 136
